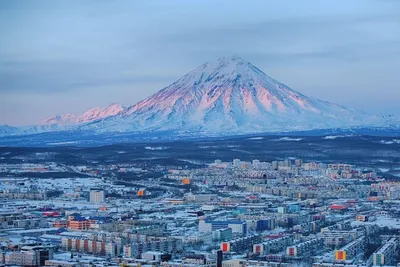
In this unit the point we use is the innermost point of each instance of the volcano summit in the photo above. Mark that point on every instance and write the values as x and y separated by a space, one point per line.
230 96
226 97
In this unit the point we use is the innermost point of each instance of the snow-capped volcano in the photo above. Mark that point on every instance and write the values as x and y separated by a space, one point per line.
229 96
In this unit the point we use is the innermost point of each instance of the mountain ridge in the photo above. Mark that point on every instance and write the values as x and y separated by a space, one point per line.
92 114
227 96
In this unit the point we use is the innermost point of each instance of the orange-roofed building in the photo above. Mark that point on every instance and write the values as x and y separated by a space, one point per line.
141 192
60 224
79 225
374 198
186 181
337 207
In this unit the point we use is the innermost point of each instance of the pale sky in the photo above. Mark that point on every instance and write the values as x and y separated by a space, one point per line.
68 56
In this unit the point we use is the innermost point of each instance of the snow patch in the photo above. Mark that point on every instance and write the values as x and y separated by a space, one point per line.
62 143
156 147
332 137
389 142
255 138
288 139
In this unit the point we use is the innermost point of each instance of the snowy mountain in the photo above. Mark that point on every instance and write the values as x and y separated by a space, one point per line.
63 122
7 130
93 114
229 96
65 119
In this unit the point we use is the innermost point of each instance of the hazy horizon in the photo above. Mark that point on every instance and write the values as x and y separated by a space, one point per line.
61 57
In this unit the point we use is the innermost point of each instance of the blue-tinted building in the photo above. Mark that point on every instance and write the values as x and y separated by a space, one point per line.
237 226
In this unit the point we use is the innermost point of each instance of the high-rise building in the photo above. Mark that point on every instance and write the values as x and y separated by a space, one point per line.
275 165
255 163
219 258
97 195
222 234
236 163
298 162
287 163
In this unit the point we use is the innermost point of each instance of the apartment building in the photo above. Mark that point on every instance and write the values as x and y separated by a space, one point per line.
29 256
241 244
60 263
7 219
222 234
341 238
386 254
351 250
245 263
273 245
79 224
168 245
84 245
238 227
97 195
306 248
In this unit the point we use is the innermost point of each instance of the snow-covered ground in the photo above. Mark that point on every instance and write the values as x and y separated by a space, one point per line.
289 139
390 142
392 223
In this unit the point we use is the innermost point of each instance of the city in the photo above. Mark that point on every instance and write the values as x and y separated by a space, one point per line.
201 133
237 213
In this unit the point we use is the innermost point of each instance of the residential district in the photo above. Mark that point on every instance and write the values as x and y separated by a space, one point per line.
224 214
